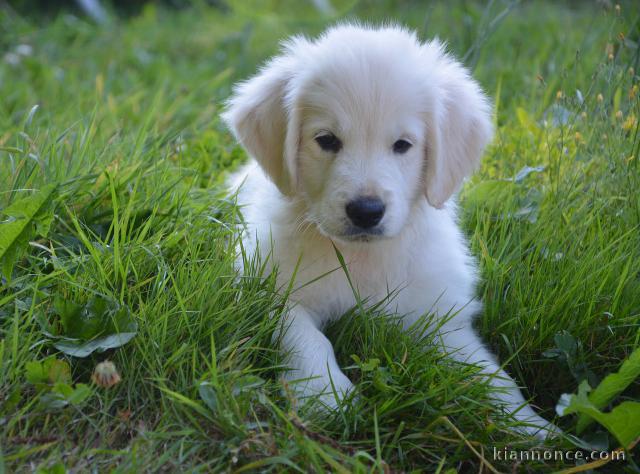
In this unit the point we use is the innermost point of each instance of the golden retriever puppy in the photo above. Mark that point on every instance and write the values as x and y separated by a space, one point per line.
359 140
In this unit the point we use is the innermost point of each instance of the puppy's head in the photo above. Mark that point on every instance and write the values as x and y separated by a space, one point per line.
361 124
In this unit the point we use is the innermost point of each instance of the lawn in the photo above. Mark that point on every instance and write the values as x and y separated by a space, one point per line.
117 243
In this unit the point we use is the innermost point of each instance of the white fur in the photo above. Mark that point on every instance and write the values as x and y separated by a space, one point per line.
370 87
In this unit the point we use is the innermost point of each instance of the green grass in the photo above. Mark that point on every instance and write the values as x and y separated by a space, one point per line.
127 130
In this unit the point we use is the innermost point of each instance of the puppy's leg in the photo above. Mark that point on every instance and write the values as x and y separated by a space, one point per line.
310 357
463 344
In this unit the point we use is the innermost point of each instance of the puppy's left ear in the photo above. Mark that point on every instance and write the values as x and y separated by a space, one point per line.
460 127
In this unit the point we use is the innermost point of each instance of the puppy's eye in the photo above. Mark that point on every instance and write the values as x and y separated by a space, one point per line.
401 146
329 142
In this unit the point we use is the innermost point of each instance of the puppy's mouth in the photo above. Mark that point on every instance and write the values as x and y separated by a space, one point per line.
346 232
356 234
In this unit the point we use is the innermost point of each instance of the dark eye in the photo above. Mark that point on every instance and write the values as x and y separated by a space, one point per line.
401 146
329 142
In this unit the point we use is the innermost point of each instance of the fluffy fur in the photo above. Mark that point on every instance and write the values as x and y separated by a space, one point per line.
368 87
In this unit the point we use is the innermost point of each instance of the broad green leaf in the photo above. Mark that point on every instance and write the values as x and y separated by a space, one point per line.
83 349
99 316
63 394
80 394
52 401
98 325
70 315
370 364
48 371
21 222
623 421
612 385
208 395
73 395
36 373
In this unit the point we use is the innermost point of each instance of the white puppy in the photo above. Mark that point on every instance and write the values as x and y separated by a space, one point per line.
360 138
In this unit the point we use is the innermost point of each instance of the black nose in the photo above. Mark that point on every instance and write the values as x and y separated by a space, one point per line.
365 212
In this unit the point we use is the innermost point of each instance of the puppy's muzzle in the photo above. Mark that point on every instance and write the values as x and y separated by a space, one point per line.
365 212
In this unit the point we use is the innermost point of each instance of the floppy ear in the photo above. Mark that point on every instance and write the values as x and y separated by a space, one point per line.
260 115
460 128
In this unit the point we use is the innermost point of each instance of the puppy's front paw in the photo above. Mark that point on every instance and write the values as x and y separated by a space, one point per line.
330 389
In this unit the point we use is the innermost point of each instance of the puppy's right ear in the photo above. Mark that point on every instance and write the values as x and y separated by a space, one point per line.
260 115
